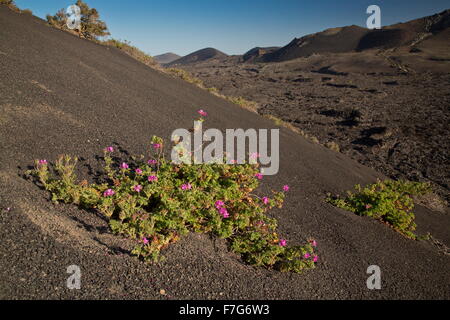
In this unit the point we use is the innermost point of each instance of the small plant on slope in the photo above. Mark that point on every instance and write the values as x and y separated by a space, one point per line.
389 201
155 202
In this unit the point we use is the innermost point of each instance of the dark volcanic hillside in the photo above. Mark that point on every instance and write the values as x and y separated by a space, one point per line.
354 38
166 57
199 56
256 53
334 40
61 94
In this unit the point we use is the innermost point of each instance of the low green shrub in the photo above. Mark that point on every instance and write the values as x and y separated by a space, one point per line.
389 201
155 202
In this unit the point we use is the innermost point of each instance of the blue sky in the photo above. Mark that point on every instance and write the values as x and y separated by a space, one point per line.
232 26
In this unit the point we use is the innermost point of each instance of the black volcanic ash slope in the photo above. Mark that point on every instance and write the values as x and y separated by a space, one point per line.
61 94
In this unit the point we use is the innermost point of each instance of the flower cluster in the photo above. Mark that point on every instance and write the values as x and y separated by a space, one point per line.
220 206
155 202
186 186
108 193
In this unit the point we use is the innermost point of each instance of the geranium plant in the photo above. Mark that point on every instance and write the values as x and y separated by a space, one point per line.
155 202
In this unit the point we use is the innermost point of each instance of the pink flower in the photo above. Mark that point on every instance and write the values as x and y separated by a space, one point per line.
224 212
315 258
138 171
124 166
152 161
265 200
368 206
137 188
145 240
306 255
259 176
108 193
286 188
42 162
313 243
156 145
186 186
282 243
109 149
152 178
219 204
202 113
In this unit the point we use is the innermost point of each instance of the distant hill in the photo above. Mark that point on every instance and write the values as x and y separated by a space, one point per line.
334 40
199 56
166 57
355 38
257 52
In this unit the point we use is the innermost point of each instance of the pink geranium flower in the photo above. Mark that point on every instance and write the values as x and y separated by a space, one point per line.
306 255
265 200
109 149
282 243
219 204
315 258
156 145
152 178
138 171
108 193
124 165
145 240
259 176
202 112
286 188
152 161
224 212
137 188
313 243
42 162
186 186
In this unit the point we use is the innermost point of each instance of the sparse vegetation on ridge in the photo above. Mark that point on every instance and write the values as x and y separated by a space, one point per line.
91 27
186 76
281 123
155 201
12 5
389 201
132 51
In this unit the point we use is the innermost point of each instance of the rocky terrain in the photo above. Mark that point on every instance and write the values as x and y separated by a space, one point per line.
386 108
